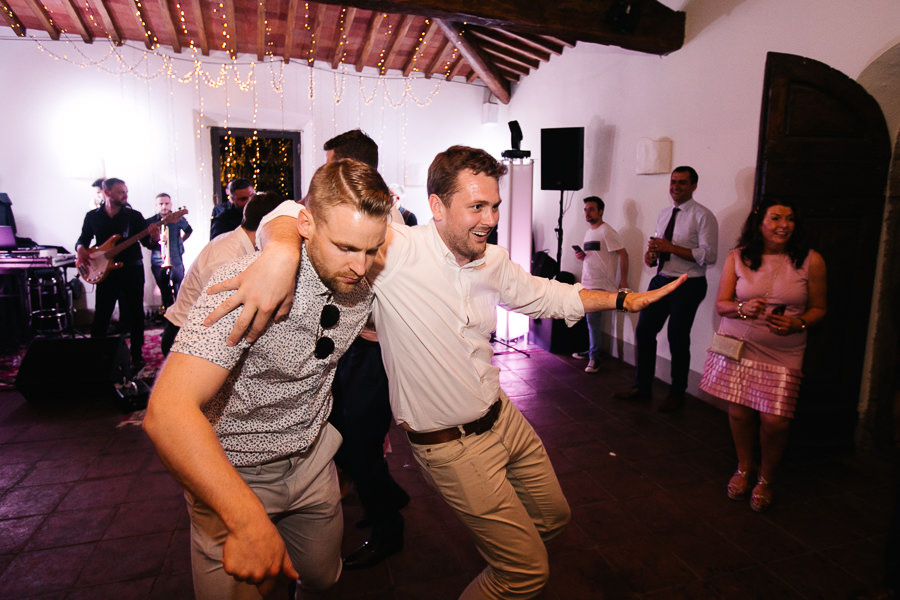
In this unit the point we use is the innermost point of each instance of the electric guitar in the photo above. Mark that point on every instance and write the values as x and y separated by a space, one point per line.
101 259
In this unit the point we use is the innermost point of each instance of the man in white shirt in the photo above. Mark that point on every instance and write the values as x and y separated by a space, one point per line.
437 288
601 252
685 243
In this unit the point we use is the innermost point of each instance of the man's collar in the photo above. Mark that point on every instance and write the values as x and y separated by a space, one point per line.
307 271
448 254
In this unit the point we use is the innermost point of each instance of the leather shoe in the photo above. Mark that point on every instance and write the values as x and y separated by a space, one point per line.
634 394
371 553
672 403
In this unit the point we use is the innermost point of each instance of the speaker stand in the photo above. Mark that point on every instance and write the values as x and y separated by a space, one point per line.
496 340
559 235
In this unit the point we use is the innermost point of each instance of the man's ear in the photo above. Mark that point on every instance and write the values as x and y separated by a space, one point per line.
305 223
437 207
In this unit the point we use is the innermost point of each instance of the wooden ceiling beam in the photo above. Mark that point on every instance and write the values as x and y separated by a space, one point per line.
512 55
340 49
498 86
438 58
9 15
143 23
169 24
539 41
421 47
510 65
318 28
112 31
261 27
230 42
454 69
506 40
371 33
510 75
78 22
397 41
289 30
201 27
656 29
44 17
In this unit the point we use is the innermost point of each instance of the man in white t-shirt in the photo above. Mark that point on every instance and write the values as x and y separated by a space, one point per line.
601 253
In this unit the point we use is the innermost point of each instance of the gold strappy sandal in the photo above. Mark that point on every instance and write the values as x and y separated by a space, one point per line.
739 484
761 498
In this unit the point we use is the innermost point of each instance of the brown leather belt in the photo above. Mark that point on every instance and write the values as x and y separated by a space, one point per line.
454 433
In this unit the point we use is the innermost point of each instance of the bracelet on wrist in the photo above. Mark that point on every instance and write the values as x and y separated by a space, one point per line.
740 310
803 324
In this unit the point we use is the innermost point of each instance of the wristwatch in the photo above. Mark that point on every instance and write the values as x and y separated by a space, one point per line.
620 299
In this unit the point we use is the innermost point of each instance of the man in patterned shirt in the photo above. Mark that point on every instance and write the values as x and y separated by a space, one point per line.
244 427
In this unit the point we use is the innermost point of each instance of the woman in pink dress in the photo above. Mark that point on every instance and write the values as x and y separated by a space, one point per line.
772 289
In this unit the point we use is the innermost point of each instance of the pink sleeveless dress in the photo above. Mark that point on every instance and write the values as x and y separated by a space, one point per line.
768 376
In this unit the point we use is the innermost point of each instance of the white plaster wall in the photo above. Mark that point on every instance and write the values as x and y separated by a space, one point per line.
66 124
705 97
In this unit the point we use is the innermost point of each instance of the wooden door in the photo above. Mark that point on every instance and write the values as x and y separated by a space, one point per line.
824 143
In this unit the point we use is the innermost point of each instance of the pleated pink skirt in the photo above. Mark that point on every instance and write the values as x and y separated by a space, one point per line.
765 387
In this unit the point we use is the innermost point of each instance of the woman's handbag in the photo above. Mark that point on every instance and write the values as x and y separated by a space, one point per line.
732 347
727 346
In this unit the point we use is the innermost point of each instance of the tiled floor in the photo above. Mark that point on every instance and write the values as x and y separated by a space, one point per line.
88 511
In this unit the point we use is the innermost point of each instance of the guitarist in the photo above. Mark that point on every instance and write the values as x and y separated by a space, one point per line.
124 285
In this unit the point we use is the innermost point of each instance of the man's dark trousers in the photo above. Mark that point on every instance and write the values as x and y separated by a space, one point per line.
362 413
125 286
680 307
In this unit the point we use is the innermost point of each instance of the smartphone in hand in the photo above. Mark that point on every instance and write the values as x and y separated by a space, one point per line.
577 248
779 310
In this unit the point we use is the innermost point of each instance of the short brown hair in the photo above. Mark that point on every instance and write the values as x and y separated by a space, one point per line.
260 204
354 144
349 182
446 166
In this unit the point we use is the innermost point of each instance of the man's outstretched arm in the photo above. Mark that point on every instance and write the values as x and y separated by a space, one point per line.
187 444
266 287
597 300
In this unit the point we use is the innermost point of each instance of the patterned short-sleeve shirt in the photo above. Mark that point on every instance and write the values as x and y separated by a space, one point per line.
278 394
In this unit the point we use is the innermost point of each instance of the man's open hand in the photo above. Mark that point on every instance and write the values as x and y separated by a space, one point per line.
636 301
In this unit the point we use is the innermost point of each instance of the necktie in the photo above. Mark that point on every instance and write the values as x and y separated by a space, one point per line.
670 230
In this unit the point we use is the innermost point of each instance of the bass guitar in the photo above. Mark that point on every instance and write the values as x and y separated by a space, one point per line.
101 259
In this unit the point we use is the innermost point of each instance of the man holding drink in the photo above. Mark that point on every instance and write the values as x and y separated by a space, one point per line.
688 244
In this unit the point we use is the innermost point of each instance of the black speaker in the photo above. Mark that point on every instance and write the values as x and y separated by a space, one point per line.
61 371
562 158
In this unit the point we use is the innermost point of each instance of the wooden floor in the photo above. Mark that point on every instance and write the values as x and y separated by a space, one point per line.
88 511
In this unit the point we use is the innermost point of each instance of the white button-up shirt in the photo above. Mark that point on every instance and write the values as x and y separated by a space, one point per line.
434 320
695 228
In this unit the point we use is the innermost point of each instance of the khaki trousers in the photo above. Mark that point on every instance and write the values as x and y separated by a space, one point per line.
502 486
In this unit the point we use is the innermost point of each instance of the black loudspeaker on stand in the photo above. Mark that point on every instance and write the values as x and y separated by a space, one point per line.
67 370
562 168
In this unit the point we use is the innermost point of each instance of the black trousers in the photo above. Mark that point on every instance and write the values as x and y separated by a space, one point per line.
125 286
680 308
362 413
169 281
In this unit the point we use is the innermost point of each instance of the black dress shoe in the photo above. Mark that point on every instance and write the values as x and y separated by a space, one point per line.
634 394
371 553
672 403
